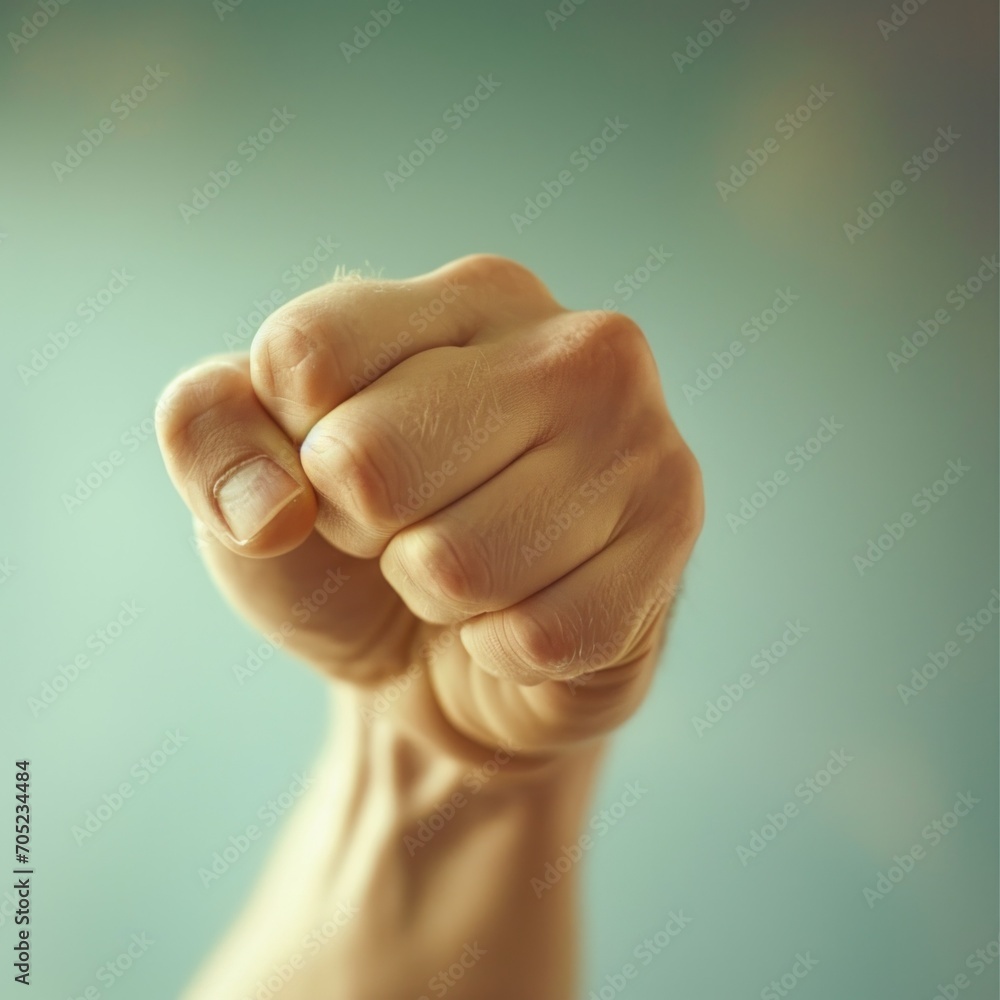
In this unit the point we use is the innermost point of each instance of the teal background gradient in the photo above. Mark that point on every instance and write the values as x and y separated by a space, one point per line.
69 567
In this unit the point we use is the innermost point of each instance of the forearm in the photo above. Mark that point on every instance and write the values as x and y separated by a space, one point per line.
419 865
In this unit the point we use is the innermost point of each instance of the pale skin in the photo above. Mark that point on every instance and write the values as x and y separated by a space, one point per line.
469 509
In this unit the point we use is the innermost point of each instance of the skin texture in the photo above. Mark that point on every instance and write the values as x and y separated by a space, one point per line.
476 529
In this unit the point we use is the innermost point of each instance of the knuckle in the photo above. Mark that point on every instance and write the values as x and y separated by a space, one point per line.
193 395
349 469
490 267
607 336
686 479
680 479
603 346
544 644
291 358
296 322
599 355
457 568
692 484
501 274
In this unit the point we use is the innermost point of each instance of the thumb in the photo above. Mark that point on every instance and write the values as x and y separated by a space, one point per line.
231 463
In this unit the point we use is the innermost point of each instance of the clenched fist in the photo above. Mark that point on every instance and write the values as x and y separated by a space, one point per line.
464 500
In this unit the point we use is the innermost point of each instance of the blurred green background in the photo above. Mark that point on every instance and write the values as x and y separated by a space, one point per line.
188 286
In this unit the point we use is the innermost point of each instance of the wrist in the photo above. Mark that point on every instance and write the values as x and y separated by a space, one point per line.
443 851
424 773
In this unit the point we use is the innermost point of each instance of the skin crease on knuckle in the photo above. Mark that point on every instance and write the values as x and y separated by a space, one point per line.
456 568
286 354
291 359
540 640
354 474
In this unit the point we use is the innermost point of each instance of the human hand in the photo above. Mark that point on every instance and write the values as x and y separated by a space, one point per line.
451 487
